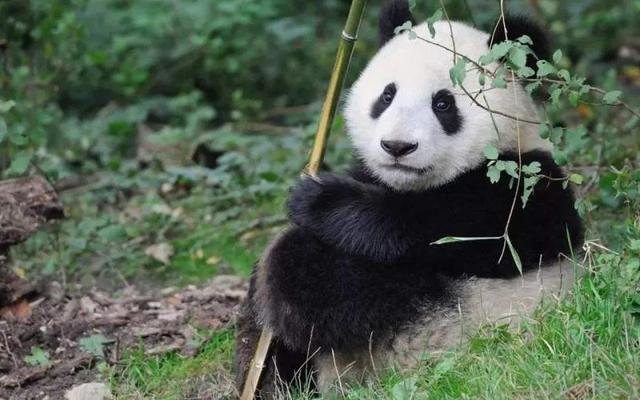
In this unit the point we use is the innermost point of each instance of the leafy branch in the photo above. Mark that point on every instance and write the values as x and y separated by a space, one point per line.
511 59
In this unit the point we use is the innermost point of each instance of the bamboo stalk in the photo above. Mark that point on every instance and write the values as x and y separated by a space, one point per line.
343 58
336 82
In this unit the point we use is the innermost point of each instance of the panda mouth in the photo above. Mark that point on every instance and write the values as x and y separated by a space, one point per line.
407 168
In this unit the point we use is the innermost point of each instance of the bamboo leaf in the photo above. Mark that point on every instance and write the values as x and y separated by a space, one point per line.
456 239
514 254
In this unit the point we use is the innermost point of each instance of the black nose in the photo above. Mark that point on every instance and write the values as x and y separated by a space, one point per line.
398 148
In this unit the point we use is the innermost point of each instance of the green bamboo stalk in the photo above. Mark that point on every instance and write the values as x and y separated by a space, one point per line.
343 58
336 82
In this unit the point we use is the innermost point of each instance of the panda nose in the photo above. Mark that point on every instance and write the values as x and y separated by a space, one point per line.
398 148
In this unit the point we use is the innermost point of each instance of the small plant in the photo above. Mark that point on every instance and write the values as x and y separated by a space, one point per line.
94 344
38 357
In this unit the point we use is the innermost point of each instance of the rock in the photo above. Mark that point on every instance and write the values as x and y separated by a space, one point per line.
89 391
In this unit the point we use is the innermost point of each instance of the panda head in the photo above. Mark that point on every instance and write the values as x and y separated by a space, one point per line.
408 123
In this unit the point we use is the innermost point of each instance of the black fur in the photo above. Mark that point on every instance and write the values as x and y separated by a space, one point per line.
451 120
394 13
328 299
519 25
361 246
281 364
357 265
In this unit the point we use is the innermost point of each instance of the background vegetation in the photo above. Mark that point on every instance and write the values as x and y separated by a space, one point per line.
173 130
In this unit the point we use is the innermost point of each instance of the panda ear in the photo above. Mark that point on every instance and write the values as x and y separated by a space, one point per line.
519 25
394 13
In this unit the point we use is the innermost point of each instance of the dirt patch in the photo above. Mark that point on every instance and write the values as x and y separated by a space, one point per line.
53 343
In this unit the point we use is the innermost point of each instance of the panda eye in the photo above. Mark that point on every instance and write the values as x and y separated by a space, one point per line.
388 94
442 102
442 105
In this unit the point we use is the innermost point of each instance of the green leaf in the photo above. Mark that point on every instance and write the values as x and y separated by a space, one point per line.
545 68
544 131
112 233
518 57
94 344
493 173
564 74
532 168
20 163
501 49
37 357
531 87
612 97
499 83
525 72
574 98
514 254
456 239
557 56
404 27
405 389
556 135
560 157
529 184
498 51
576 178
555 96
481 80
485 59
584 207
437 16
457 72
491 152
511 168
6 106
17 138
524 39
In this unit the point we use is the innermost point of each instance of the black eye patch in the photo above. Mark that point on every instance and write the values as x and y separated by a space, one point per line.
443 104
383 101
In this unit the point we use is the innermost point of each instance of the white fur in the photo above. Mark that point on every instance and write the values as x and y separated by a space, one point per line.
419 70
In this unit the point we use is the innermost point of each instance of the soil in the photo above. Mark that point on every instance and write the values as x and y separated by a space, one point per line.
160 322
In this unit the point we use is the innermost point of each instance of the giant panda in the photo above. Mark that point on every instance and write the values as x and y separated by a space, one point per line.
355 284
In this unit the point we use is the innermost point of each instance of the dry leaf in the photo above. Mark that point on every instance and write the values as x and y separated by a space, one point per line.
160 252
213 260
20 310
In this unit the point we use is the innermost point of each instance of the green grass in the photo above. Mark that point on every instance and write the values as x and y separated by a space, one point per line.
586 345
172 376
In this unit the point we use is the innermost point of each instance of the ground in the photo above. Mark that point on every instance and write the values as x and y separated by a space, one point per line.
54 342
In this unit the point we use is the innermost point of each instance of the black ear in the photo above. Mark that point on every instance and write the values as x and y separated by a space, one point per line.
394 13
519 25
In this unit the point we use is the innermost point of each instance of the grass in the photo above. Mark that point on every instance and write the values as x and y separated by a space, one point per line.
585 345
172 376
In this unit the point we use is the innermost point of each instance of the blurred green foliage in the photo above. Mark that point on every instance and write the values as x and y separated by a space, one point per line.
188 120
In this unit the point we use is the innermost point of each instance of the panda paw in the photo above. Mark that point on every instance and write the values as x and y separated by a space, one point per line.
313 199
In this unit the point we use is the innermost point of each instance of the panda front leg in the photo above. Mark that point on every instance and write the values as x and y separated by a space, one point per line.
282 365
